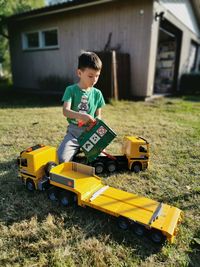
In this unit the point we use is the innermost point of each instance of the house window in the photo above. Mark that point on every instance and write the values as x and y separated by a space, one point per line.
50 38
32 40
43 39
24 162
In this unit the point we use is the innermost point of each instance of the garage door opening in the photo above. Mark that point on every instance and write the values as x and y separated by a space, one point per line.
168 55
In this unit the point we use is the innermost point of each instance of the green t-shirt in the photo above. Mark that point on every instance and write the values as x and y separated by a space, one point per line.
83 101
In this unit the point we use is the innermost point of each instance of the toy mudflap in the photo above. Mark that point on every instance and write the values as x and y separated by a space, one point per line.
95 139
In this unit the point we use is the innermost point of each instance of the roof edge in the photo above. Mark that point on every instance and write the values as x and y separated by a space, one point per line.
63 7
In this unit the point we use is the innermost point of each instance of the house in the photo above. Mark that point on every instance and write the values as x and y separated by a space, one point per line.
160 37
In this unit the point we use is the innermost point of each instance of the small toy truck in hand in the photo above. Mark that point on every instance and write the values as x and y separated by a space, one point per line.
77 183
134 156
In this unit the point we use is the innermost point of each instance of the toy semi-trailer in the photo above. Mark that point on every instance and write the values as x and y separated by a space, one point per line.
74 182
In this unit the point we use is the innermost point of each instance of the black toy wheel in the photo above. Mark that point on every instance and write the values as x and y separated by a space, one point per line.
157 237
111 166
48 167
99 167
123 223
136 167
67 198
138 229
30 185
52 194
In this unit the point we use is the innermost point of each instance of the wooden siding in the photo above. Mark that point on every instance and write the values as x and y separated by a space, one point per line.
133 28
129 22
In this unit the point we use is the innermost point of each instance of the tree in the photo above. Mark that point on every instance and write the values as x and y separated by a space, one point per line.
8 8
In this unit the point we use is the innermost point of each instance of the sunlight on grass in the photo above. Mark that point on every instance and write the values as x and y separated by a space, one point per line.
36 232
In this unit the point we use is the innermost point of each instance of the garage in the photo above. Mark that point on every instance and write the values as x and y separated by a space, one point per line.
168 58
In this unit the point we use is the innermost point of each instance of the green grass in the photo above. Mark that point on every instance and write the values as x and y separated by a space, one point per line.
37 232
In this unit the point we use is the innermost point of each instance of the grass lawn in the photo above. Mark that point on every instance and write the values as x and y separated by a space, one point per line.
37 232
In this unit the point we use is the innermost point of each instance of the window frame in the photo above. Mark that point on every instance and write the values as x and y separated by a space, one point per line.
41 40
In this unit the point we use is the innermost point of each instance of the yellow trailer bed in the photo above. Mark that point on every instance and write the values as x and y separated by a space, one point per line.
91 192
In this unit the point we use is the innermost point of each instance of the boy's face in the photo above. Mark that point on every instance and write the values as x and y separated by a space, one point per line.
88 77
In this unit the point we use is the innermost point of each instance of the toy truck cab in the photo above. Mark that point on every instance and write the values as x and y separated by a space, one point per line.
136 150
32 162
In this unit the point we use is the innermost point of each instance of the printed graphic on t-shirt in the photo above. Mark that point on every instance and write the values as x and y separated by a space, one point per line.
83 107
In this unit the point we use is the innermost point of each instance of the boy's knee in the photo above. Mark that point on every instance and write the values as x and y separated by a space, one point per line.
64 157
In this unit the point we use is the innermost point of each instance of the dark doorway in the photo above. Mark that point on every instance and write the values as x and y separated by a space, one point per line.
168 57
105 82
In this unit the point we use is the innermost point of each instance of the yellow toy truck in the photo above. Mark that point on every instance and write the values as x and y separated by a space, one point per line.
135 150
134 157
77 183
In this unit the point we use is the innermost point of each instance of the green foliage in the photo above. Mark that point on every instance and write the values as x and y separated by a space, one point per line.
8 8
37 232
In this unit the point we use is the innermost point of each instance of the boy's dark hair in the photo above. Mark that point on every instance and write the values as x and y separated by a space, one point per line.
89 60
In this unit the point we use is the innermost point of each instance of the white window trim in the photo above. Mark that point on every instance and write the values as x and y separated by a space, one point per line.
41 40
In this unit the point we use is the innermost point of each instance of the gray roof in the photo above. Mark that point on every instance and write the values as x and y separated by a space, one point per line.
61 7
75 4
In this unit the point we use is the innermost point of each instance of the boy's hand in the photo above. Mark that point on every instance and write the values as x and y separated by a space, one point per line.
86 118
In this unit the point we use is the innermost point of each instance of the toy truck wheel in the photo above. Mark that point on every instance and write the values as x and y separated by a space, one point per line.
111 166
99 167
52 194
157 237
123 223
136 167
30 185
48 167
138 229
66 198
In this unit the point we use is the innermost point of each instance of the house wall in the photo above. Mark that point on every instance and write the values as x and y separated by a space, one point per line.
88 28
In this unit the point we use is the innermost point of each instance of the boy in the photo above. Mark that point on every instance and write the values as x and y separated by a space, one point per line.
82 104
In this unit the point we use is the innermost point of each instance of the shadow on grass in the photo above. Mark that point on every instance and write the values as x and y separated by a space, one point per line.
18 204
194 254
186 197
13 98
97 224
187 97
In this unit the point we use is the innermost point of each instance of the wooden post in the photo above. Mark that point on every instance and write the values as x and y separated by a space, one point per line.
114 76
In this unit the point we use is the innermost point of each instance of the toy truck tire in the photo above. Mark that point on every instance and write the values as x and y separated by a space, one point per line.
123 223
52 193
48 167
99 167
111 166
136 167
139 229
157 237
66 198
30 185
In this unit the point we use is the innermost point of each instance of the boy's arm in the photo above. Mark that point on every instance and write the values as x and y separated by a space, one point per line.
69 113
98 113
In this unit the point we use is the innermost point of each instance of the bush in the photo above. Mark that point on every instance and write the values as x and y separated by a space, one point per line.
53 83
190 83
